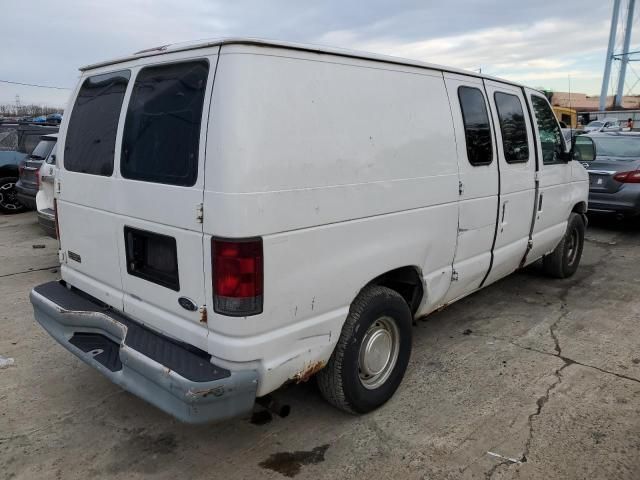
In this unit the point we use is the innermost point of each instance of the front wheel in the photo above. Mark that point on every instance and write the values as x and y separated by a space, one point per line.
8 196
372 353
564 260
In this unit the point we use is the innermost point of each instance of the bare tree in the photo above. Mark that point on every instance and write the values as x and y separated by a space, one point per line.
31 110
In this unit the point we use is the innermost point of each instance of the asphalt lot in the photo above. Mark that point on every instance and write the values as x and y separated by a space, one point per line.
529 378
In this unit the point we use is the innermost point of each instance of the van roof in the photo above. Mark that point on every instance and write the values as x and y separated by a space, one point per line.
343 52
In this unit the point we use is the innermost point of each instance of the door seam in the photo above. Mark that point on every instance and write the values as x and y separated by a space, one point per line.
537 194
495 139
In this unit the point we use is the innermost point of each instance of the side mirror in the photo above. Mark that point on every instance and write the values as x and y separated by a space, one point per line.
583 149
566 154
52 159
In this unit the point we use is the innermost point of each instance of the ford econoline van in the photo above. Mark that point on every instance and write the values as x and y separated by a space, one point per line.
238 214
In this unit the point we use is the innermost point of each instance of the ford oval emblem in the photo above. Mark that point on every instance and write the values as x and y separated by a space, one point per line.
187 304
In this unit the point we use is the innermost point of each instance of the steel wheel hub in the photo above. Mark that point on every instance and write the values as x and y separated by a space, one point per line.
378 352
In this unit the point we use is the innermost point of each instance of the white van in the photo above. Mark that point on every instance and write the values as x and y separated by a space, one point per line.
238 214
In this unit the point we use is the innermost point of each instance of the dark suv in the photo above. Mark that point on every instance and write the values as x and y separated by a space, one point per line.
16 142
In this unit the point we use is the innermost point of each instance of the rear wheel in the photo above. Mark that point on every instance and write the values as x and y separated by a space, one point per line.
8 196
372 353
564 260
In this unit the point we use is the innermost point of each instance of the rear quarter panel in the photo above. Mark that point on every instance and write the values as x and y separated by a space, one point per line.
347 169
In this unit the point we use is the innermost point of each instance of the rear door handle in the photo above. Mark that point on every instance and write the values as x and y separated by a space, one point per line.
540 203
504 207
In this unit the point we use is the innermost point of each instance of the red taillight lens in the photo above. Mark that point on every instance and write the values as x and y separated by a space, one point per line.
628 177
55 217
38 178
237 267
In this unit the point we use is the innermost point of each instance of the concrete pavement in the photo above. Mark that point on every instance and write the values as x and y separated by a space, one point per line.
531 378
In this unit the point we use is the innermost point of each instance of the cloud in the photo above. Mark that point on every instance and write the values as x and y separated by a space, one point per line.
521 52
45 42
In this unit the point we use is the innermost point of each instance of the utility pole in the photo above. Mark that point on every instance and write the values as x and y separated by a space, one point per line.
18 106
607 63
625 54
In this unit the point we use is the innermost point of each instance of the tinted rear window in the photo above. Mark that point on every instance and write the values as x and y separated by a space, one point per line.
513 128
91 136
618 146
30 142
162 129
43 149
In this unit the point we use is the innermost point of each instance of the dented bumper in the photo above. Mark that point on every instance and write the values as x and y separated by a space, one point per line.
175 377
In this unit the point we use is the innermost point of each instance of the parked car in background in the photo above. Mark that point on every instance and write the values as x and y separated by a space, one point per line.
614 174
44 197
29 169
54 118
604 125
16 142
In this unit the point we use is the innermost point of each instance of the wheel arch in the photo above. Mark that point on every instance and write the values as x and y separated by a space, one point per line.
580 207
8 171
407 281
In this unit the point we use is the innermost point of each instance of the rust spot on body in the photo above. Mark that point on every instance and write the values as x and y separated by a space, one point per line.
442 307
216 391
203 314
308 372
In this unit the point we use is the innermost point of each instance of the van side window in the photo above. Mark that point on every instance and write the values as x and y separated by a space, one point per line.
477 132
91 136
513 128
550 135
162 128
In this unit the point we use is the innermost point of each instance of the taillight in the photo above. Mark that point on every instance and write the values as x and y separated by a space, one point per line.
237 267
628 177
55 217
38 178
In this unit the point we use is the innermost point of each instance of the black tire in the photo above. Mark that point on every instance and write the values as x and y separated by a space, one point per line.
564 260
8 200
342 382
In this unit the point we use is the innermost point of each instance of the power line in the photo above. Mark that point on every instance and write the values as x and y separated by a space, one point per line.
34 85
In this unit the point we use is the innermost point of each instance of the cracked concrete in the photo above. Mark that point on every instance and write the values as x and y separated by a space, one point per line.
547 380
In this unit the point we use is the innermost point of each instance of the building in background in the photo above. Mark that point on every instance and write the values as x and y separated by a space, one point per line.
568 116
588 107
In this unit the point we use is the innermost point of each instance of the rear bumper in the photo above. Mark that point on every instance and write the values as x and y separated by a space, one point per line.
47 220
625 201
175 377
26 197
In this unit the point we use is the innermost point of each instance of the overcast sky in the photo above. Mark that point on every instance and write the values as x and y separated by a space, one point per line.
539 43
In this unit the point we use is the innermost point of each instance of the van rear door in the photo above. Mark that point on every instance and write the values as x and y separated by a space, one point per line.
134 223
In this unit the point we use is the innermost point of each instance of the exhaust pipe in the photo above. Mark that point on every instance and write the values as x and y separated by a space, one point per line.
272 405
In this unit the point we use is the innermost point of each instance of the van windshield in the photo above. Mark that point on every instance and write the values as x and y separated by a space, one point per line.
162 129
